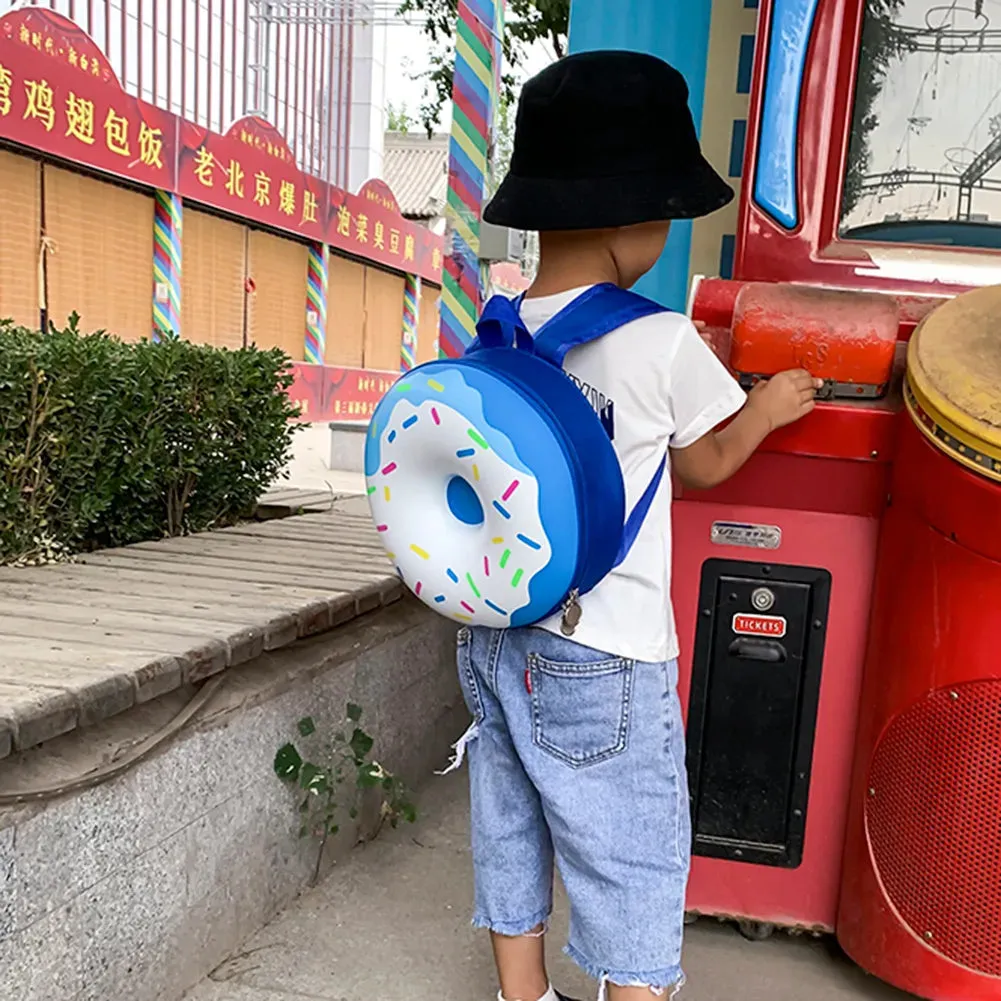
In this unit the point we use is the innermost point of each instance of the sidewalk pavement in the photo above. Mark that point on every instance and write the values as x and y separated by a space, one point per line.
392 924
308 469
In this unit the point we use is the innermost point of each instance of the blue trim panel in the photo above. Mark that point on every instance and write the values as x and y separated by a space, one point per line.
745 64
677 31
738 143
775 182
727 251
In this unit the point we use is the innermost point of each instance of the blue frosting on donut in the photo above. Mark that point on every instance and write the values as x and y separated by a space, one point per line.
520 435
460 396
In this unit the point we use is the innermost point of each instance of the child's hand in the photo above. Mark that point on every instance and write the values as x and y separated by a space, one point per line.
785 398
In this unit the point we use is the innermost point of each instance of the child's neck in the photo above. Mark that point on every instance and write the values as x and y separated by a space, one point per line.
563 272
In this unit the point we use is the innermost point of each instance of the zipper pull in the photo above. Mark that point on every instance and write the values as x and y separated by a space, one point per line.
572 613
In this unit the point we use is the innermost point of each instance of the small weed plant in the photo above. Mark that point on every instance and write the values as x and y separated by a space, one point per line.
333 786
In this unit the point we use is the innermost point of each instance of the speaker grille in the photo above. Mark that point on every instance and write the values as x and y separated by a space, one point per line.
933 816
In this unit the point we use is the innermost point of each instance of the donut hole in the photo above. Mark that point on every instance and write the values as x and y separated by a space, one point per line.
463 501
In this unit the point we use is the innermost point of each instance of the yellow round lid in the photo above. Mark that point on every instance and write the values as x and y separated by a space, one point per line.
953 387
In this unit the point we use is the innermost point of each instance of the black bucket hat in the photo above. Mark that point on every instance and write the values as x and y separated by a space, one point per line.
605 139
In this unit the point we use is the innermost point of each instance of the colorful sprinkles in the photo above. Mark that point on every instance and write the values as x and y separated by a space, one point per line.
475 595
437 387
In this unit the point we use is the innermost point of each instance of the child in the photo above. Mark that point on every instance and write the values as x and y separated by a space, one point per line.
578 757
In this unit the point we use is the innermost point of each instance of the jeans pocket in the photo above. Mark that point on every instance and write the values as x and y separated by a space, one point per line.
467 675
580 712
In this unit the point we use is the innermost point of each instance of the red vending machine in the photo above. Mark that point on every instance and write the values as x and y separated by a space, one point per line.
869 200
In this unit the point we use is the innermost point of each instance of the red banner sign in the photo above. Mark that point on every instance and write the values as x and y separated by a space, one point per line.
325 393
251 172
362 226
59 95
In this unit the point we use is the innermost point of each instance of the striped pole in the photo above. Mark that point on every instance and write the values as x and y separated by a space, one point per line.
168 216
474 97
316 304
411 317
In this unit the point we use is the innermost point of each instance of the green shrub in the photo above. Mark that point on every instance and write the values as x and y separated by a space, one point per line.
104 443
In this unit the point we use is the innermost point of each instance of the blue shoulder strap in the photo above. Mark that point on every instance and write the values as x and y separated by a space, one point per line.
597 312
592 315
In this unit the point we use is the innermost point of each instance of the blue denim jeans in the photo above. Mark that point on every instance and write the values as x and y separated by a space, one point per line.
577 759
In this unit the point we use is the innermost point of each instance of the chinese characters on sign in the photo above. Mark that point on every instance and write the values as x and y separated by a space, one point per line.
59 95
250 173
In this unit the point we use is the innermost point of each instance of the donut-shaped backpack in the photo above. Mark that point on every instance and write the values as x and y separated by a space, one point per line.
493 484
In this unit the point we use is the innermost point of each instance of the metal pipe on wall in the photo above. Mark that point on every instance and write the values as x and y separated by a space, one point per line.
156 52
288 83
338 180
232 104
169 41
184 58
124 30
348 96
196 116
208 75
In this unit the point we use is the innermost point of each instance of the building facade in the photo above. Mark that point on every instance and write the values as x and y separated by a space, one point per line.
147 224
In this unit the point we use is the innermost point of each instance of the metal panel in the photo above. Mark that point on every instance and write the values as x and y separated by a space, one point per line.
756 677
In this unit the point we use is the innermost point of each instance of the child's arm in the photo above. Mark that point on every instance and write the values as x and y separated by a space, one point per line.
715 457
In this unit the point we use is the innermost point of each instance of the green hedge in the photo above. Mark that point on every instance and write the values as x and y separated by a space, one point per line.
104 443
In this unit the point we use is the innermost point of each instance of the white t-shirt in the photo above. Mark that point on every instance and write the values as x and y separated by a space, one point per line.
657 385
